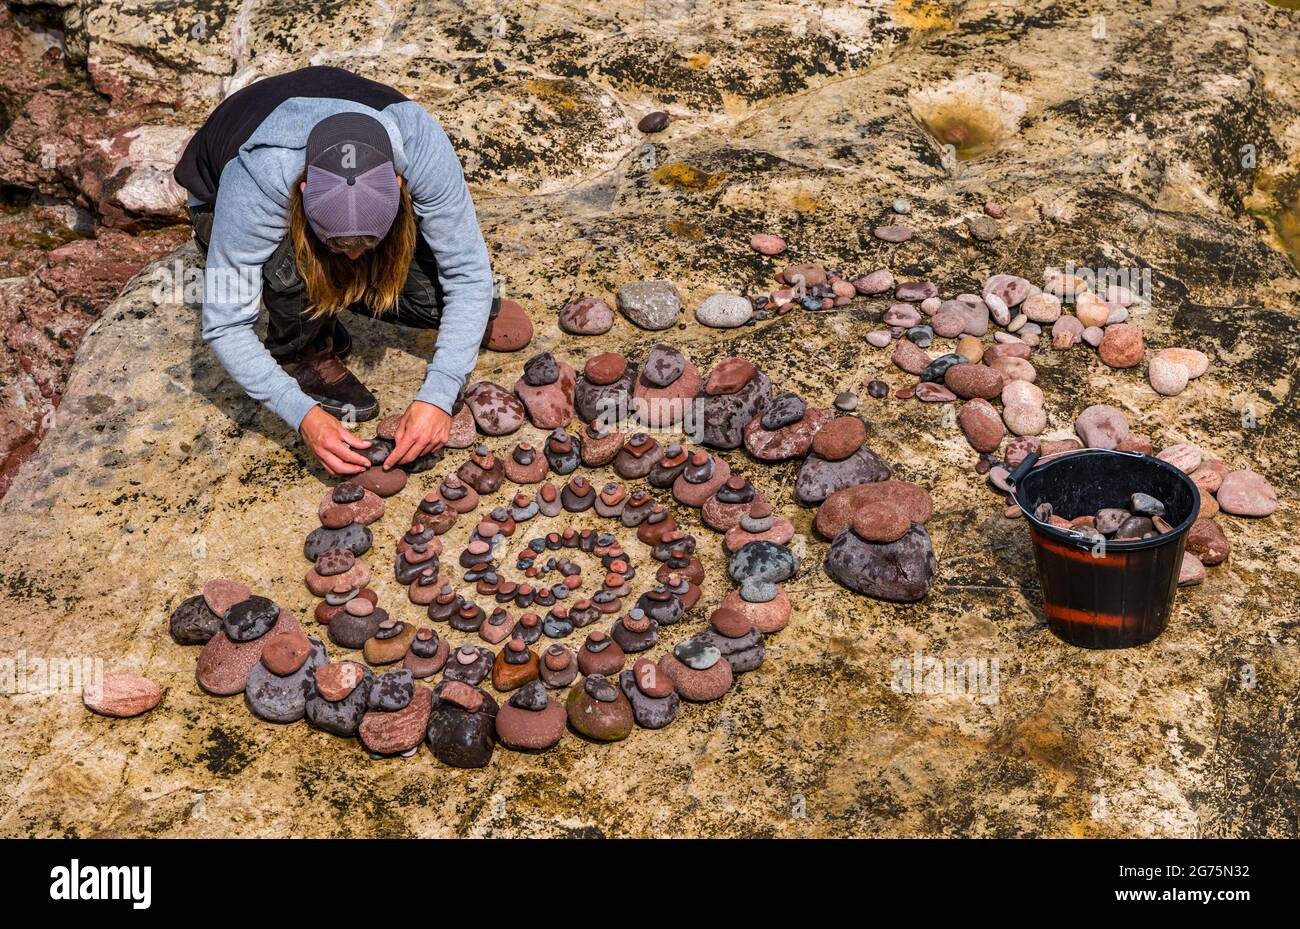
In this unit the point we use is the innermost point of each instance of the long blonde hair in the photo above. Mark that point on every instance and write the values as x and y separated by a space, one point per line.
335 281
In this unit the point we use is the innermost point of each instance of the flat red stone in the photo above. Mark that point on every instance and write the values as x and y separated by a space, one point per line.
325 612
221 594
223 665
338 679
700 686
661 407
359 606
285 654
462 695
381 482
649 680
880 522
398 732
511 330
772 616
731 623
121 695
551 405
837 512
696 494
782 531
729 375
792 441
463 430
839 438
605 368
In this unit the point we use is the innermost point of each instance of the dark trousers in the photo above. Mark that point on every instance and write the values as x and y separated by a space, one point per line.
284 294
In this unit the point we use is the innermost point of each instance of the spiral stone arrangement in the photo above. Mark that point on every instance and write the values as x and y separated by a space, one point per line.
875 524
523 643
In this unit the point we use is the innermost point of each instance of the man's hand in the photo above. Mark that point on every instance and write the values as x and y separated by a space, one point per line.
424 428
331 443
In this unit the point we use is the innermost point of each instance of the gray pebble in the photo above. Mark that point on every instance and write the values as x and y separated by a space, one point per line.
355 538
982 228
193 623
743 654
279 699
649 712
920 336
1147 505
392 690
697 655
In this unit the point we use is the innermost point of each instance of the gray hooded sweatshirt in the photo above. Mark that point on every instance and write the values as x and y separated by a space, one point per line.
247 159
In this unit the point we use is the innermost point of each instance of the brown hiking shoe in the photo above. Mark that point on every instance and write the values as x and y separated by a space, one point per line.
328 381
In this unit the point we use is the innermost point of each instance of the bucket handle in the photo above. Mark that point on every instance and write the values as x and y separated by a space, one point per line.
1021 470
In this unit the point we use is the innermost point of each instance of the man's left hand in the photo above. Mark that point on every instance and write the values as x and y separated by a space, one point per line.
424 428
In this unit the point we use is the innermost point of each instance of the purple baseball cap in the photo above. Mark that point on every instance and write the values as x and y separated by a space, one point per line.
351 182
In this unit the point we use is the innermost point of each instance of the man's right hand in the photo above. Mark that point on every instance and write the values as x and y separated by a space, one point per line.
332 444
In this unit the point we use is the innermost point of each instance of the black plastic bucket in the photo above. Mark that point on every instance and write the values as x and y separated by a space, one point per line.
1119 594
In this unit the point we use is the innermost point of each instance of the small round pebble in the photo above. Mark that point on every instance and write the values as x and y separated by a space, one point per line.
220 594
1168 378
765 243
724 311
1121 346
983 228
893 233
656 121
